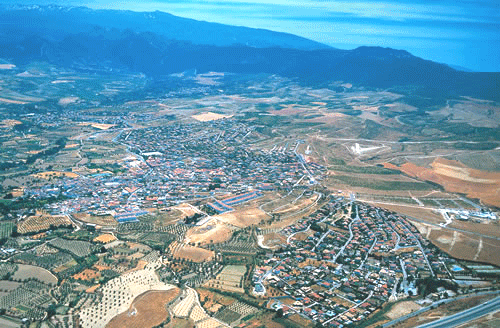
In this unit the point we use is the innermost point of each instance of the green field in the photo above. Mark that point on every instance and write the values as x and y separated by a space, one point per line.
380 184
6 229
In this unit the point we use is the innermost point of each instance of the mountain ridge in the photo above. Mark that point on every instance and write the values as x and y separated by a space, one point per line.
81 19
156 55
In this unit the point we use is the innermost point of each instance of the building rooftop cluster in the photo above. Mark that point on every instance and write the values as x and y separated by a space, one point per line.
180 162
343 267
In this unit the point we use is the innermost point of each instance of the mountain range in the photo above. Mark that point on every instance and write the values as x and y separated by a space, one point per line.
159 44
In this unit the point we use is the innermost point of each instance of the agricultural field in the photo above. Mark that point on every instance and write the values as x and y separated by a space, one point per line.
229 279
48 261
25 272
209 116
101 220
6 228
55 174
76 247
213 302
42 222
7 269
456 177
105 238
190 253
465 246
118 296
147 310
27 297
235 311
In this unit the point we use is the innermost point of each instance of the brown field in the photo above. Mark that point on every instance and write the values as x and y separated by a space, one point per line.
87 274
290 216
412 211
105 238
488 228
65 266
10 101
401 309
212 302
147 310
9 123
263 320
92 289
180 323
183 210
211 232
67 100
274 239
101 220
192 253
303 322
290 208
301 236
46 175
243 218
102 126
460 245
456 177
209 116
42 221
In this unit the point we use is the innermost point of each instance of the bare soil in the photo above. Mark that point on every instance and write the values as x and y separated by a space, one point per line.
147 310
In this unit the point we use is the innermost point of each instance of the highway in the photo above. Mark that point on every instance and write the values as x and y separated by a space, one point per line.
465 316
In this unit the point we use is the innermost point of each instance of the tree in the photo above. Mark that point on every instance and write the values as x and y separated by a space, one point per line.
279 313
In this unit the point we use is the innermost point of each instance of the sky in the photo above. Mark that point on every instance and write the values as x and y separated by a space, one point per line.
465 33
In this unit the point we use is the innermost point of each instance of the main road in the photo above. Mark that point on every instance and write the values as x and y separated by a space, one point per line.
465 316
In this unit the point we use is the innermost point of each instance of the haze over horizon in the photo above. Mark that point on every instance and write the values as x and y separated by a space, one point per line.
462 33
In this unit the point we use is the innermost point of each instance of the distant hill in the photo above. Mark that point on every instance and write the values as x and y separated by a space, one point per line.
90 42
55 22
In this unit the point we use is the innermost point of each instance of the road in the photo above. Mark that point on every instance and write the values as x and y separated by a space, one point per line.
397 234
465 316
321 240
436 304
368 254
404 283
293 234
351 235
422 250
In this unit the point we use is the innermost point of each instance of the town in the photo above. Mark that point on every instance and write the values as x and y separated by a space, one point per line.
196 210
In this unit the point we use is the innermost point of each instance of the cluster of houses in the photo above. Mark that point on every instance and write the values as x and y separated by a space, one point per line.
338 269
176 163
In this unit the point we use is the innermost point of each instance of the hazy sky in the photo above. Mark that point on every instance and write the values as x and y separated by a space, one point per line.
459 32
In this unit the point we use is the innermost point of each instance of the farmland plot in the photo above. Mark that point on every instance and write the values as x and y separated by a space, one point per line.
41 222
77 247
47 261
7 269
25 272
6 229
